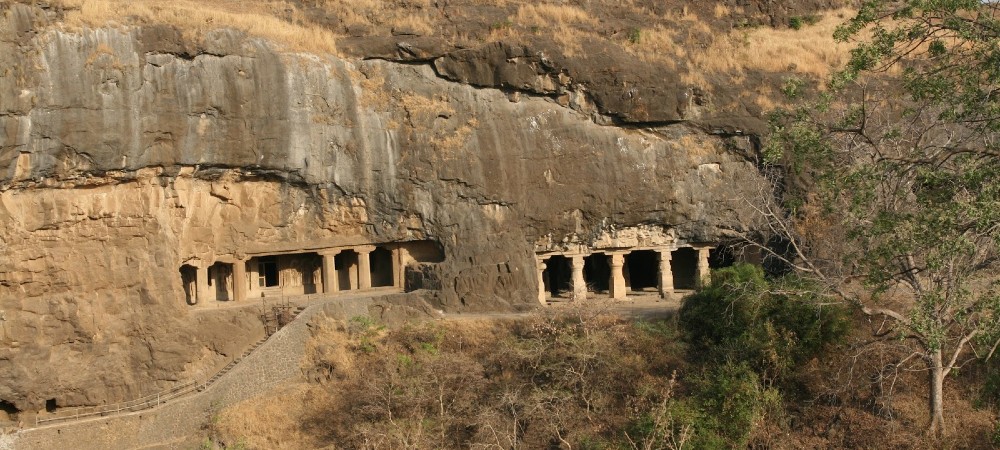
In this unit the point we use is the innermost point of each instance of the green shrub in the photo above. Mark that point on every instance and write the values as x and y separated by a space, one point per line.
797 22
773 327
733 402
635 35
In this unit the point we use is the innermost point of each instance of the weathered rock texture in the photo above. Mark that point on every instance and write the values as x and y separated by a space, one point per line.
122 157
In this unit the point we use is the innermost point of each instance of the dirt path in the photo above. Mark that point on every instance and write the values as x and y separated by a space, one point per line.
648 307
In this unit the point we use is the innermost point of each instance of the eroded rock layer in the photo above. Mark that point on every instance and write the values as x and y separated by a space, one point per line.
121 158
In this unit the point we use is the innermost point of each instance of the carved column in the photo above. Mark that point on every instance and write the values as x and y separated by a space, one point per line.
579 283
203 290
402 259
704 275
541 281
330 279
364 266
253 275
666 281
616 284
397 270
240 282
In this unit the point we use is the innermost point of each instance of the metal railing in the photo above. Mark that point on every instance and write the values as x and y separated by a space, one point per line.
149 401
139 404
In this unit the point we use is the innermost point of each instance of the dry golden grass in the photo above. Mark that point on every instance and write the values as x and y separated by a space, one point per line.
544 15
274 420
567 25
410 15
195 18
657 44
810 50
721 11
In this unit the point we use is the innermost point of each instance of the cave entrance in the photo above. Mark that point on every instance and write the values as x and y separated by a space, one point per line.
597 272
346 265
380 262
220 276
558 276
642 269
8 410
267 272
684 264
189 281
722 256
51 406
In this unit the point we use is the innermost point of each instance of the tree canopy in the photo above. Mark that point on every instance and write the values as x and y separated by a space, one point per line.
901 158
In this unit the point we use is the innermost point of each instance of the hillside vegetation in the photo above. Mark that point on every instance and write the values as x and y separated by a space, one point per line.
740 368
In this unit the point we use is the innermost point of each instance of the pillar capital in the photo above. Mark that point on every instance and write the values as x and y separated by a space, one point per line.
364 248
330 251
616 259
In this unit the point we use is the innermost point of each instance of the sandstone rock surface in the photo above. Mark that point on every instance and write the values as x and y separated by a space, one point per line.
123 155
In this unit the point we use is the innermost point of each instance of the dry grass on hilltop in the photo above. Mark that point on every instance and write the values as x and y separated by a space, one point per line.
276 21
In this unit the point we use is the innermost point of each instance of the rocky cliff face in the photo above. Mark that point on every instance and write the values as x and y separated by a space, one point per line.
122 156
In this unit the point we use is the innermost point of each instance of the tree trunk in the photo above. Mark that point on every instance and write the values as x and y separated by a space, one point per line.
936 394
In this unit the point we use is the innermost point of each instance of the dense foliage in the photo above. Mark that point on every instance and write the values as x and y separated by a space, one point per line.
771 327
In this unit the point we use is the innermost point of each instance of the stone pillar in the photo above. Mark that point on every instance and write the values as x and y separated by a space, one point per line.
666 280
616 284
704 275
254 278
203 290
403 260
364 266
542 297
240 282
397 267
331 283
579 283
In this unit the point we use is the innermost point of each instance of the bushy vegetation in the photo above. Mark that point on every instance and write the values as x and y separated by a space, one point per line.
772 327
576 379
748 336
